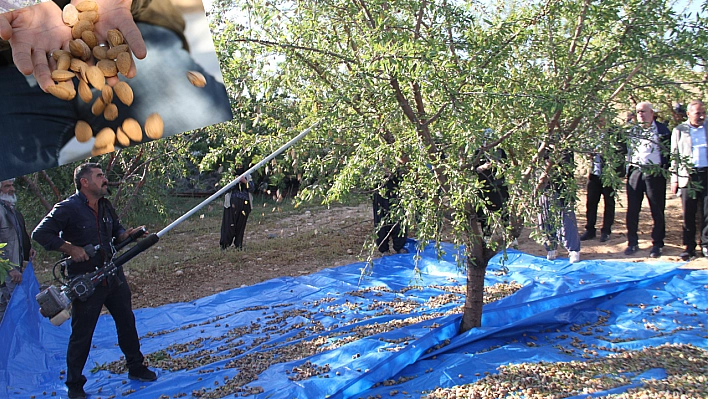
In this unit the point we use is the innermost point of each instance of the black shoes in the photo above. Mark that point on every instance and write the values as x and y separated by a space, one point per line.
687 255
402 251
142 374
588 235
631 249
604 237
655 252
77 393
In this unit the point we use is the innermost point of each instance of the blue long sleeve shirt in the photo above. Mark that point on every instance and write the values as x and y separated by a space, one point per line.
74 221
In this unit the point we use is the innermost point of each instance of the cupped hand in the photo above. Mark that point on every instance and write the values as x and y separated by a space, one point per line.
115 14
34 32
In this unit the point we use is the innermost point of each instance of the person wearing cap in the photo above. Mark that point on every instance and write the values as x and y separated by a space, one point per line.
689 174
648 147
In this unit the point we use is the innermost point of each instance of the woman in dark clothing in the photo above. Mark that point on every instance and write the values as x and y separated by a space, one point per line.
237 207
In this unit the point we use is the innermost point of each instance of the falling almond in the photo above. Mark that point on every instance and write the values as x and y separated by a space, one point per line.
111 112
154 126
83 132
121 137
132 129
59 92
95 77
105 137
96 151
85 92
98 107
196 78
124 93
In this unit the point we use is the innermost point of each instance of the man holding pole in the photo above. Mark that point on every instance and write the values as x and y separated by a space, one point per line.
87 218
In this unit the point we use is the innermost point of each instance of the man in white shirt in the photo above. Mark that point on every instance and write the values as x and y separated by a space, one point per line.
648 148
689 173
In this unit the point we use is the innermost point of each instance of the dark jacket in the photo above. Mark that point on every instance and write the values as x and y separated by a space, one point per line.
73 220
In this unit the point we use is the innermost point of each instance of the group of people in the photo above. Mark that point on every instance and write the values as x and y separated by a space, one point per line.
653 152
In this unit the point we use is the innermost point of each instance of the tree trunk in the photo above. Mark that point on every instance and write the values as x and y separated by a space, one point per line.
476 268
33 187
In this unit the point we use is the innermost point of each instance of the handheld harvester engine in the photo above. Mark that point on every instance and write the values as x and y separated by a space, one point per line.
55 302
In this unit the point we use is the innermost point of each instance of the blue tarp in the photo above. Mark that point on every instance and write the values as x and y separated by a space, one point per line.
356 331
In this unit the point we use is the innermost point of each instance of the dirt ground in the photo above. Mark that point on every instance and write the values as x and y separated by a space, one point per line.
295 248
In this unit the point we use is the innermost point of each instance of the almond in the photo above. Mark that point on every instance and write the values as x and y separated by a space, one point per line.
96 151
196 78
64 62
60 76
154 126
70 15
108 67
69 85
107 94
89 38
91 16
85 92
87 5
80 49
123 62
80 27
77 65
122 138
59 92
95 77
98 107
100 52
111 112
105 137
83 132
115 38
113 52
58 53
124 93
132 129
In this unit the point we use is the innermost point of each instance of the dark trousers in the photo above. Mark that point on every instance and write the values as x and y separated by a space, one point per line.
654 187
690 204
233 225
85 314
595 190
395 233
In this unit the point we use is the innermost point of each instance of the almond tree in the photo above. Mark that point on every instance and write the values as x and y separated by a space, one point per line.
442 83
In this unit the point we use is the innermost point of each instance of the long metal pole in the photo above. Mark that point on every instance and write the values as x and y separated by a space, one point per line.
233 183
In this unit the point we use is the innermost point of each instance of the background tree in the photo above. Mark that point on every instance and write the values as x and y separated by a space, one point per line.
426 79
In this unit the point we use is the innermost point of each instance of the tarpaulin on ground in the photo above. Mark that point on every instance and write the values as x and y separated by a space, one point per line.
340 333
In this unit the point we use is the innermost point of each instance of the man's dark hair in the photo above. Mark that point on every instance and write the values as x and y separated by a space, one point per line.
82 170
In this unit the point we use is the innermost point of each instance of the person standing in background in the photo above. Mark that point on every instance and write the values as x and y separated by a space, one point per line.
237 207
18 248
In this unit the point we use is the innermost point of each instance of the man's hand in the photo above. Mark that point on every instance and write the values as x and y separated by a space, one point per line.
16 276
128 232
77 254
34 32
674 188
33 253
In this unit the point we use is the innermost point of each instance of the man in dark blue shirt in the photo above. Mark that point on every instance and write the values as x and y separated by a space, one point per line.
82 219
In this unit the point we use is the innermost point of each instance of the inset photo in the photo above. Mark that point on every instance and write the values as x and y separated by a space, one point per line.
92 77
